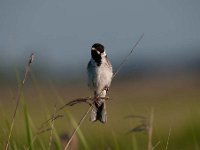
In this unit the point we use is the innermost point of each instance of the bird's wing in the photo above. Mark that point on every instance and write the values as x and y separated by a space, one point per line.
91 74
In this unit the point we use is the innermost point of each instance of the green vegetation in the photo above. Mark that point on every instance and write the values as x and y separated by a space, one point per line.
175 101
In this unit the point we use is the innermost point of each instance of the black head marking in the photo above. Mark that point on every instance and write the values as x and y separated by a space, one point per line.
96 51
99 47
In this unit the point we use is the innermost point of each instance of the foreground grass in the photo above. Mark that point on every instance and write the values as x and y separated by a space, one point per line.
175 102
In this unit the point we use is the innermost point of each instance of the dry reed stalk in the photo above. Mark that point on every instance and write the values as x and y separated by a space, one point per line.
78 126
127 56
117 71
154 147
18 98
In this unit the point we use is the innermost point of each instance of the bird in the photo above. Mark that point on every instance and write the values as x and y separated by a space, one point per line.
100 73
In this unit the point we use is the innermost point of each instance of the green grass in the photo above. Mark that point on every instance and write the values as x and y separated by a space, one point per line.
175 102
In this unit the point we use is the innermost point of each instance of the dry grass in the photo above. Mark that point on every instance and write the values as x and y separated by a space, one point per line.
18 98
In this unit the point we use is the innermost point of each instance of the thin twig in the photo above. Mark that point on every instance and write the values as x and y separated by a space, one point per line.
168 138
71 103
150 130
126 58
87 100
47 121
118 69
154 147
78 126
18 98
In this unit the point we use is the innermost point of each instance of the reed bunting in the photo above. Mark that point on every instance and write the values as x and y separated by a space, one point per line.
99 79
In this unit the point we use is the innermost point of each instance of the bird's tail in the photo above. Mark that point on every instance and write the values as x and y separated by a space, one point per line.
99 111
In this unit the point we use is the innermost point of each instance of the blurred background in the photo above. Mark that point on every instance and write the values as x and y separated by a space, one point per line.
163 72
61 33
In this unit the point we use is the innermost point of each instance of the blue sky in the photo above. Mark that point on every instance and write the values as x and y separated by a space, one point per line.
61 32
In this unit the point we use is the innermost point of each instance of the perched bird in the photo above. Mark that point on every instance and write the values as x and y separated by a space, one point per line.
99 79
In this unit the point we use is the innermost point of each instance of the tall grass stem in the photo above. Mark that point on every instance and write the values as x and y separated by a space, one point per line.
18 98
78 126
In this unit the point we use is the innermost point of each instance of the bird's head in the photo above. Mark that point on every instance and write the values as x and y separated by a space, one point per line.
98 48
97 52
